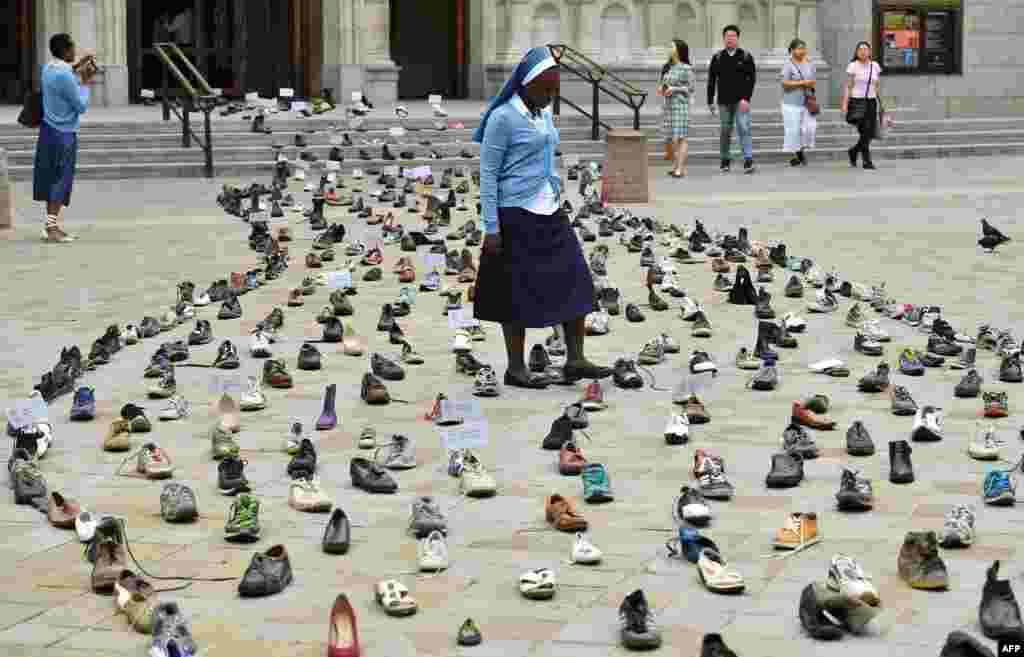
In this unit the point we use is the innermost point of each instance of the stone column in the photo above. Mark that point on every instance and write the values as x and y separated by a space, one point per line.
720 14
518 26
588 25
6 195
784 24
807 24
381 83
661 24
343 48
112 50
478 51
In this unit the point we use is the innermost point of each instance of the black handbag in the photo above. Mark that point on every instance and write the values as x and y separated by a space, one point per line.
857 108
31 115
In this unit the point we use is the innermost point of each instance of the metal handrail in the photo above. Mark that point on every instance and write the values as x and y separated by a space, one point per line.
601 80
206 101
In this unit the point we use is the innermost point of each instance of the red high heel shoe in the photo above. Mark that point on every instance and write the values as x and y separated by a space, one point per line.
342 634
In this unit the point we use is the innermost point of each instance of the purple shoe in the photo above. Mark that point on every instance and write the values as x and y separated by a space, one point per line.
328 419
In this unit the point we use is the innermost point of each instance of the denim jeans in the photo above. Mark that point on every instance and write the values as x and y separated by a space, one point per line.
729 115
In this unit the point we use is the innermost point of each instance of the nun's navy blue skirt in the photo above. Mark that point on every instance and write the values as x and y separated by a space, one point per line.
541 277
54 172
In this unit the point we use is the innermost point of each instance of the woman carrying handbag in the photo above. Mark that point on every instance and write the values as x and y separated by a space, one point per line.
799 104
860 102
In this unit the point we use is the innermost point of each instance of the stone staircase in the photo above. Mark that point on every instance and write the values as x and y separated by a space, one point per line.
152 149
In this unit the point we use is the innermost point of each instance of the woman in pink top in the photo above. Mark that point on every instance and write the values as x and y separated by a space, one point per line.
863 82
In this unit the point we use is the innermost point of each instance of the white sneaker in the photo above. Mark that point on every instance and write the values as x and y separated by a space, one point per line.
357 174
584 552
460 343
847 577
85 525
177 408
259 345
45 438
668 282
130 334
597 323
927 424
299 174
294 438
823 302
253 398
667 266
872 330
555 344
794 323
985 447
438 112
668 343
433 552
677 430
474 480
690 308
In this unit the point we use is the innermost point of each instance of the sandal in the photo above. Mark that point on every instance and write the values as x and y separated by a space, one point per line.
395 599
716 575
538 584
526 380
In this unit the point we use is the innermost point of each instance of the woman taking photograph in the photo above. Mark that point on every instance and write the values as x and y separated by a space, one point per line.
669 153
860 101
678 86
532 270
797 86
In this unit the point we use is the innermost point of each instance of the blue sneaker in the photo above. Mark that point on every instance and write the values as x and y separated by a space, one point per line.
999 488
689 544
597 487
407 296
84 405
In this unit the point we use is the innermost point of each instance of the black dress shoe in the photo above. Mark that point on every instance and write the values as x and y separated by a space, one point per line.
526 380
337 534
334 331
371 477
587 371
303 464
386 368
309 357
633 313
268 573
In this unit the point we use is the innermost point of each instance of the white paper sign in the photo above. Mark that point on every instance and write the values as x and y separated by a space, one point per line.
252 96
458 319
281 157
337 141
396 132
357 96
468 435
333 166
221 384
147 93
432 260
392 171
420 172
434 99
339 280
26 412
299 105
217 92
467 409
284 92
571 160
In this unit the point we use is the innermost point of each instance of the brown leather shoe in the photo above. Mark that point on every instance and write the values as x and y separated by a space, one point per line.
467 260
313 261
295 298
284 234
407 275
110 561
375 219
562 515
276 375
467 275
401 264
237 283
695 411
117 438
720 266
570 459
803 415
374 391
62 511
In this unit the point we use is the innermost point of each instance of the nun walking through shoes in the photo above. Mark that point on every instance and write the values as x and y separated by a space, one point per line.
532 270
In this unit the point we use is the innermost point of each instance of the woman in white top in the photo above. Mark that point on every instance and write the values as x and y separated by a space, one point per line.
798 82
862 87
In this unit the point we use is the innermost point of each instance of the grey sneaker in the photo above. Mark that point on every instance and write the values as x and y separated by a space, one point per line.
712 482
795 440
787 471
767 378
401 456
902 402
171 634
855 492
967 358
178 503
427 517
958 527
222 443
858 440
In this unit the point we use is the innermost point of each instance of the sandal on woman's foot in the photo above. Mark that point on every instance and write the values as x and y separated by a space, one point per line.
52 232
586 370
526 380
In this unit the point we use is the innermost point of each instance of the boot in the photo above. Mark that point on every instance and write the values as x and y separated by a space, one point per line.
961 644
328 418
762 344
866 157
919 564
999 613
778 255
316 217
254 202
901 471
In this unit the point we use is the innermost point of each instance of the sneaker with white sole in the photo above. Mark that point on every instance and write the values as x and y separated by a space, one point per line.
306 494
985 447
677 430
165 387
584 552
555 344
259 345
846 576
177 408
474 480
253 398
293 439
794 323
486 383
690 506
927 425
597 323
433 552
460 343
700 363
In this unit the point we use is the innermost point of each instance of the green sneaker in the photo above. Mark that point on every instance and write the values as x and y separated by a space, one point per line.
817 404
223 443
597 487
243 520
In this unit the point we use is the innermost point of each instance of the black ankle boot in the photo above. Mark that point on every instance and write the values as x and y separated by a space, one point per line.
802 157
868 164
852 153
762 345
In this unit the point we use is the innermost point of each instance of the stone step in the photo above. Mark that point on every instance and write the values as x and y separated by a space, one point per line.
89 155
258 169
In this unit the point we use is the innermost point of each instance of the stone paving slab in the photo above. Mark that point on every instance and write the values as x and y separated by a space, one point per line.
913 224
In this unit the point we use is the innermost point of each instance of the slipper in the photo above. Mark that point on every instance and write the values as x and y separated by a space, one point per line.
395 599
529 381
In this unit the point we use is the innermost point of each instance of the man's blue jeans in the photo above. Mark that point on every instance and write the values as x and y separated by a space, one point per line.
729 115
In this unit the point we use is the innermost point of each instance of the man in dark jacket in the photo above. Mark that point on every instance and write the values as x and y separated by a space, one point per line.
733 74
